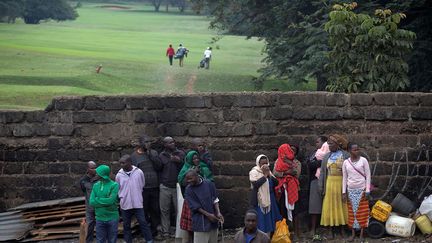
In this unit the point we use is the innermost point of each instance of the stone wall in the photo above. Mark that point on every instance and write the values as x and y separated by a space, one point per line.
43 153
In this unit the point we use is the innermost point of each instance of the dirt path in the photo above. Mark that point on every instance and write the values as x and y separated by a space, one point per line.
190 86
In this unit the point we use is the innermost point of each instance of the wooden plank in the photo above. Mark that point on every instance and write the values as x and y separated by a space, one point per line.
56 216
51 237
55 208
56 230
61 222
54 212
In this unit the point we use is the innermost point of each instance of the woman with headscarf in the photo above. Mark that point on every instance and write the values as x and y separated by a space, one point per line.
191 162
262 195
334 210
287 169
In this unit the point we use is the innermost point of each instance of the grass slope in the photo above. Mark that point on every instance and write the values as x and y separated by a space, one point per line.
38 62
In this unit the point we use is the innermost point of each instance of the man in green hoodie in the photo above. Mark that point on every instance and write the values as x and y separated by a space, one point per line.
105 202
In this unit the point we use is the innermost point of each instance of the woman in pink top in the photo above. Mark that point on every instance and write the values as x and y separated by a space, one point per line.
356 180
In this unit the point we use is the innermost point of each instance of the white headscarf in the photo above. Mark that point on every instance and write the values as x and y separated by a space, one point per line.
263 194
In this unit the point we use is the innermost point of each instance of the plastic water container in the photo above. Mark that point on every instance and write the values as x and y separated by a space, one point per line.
381 211
400 226
424 224
403 205
375 229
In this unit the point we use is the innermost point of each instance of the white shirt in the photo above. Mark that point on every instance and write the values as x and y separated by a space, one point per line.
207 53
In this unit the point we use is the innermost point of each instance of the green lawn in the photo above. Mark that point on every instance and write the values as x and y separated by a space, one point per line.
38 62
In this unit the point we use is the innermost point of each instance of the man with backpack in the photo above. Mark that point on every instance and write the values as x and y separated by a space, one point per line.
181 53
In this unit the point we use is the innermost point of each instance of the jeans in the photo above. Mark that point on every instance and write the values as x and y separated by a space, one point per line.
144 227
207 63
106 231
167 195
151 207
170 59
91 222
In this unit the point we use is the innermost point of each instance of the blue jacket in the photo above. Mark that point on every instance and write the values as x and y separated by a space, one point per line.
202 196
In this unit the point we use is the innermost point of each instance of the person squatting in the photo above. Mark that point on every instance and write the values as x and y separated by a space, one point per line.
150 184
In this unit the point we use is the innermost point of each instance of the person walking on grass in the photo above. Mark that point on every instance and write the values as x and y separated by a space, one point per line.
86 184
181 54
202 199
207 57
356 181
170 52
104 200
131 182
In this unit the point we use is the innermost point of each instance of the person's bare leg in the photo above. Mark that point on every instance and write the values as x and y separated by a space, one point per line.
352 235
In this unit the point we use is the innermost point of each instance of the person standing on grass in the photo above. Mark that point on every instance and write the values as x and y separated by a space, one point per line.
207 57
104 200
170 52
86 184
356 180
148 161
202 199
181 54
171 160
250 233
131 181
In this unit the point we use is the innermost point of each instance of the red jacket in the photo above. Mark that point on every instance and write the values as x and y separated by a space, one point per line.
170 51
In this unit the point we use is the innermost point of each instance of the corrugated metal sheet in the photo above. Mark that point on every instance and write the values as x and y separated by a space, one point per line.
13 226
49 203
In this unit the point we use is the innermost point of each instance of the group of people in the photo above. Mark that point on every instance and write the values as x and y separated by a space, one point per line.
339 187
145 187
182 52
148 185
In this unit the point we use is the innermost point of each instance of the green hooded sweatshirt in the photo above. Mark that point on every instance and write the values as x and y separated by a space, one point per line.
204 169
104 197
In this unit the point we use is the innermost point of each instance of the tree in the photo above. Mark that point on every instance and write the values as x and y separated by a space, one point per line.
10 10
156 4
368 53
37 10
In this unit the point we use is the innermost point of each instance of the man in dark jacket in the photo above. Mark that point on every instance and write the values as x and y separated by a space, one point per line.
250 233
148 161
86 184
171 162
202 199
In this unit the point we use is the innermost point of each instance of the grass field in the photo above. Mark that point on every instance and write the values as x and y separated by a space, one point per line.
38 62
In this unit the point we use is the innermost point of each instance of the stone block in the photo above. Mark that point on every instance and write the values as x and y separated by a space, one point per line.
35 116
88 130
10 168
42 129
155 103
71 103
11 116
266 128
136 103
264 100
67 154
243 101
296 128
240 130
144 117
173 129
280 113
114 103
243 155
78 168
303 113
223 100
46 155
254 114
105 117
198 102
230 182
384 99
5 131
221 155
336 99
207 116
62 129
400 113
55 143
82 117
60 117
354 113
231 115
328 113
361 99
220 130
425 99
422 113
198 130
407 99
377 113
234 212
174 102
93 103
23 130
87 154
166 115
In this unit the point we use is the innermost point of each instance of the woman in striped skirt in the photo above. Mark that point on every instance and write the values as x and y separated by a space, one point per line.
356 180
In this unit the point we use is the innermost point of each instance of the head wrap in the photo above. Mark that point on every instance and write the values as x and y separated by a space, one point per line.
340 140
263 194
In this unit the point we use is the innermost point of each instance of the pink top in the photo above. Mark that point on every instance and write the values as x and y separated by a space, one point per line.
321 152
131 186
354 179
